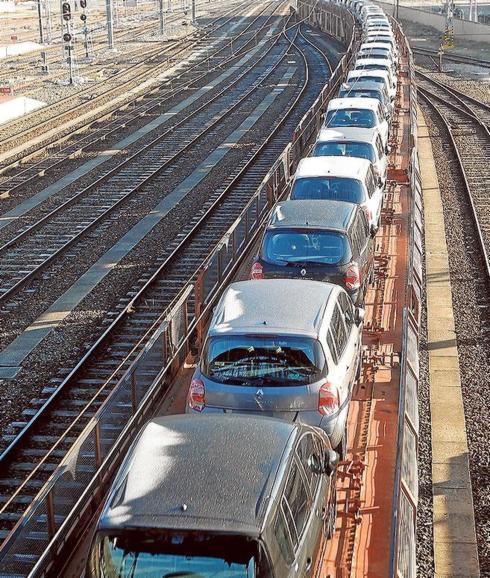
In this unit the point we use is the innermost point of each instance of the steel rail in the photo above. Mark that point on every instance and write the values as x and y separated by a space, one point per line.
460 58
429 98
157 53
102 133
37 269
129 309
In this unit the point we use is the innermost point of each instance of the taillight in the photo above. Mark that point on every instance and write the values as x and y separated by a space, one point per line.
352 276
367 212
197 395
328 399
257 271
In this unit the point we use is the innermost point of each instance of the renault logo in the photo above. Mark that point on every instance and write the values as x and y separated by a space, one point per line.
259 394
303 272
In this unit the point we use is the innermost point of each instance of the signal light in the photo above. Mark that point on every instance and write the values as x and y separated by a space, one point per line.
196 398
66 11
83 17
66 37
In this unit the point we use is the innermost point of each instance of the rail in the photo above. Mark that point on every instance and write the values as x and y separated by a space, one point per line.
78 485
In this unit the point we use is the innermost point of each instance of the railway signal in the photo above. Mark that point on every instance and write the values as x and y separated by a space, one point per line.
66 11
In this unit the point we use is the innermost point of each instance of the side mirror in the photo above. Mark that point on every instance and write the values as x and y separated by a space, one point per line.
358 315
387 149
331 462
380 182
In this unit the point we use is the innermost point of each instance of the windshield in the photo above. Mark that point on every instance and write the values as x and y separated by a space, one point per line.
328 189
263 359
303 247
361 150
135 556
351 117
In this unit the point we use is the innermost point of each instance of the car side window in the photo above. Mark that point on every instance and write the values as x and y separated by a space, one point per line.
338 330
307 455
347 310
370 182
282 536
364 227
379 147
331 346
296 501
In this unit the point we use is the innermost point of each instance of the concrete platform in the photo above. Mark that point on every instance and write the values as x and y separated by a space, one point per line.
15 353
455 546
18 106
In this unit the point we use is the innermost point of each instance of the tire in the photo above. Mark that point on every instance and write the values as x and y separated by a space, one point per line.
332 510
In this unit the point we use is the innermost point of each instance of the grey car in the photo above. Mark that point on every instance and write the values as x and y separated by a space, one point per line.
287 348
219 496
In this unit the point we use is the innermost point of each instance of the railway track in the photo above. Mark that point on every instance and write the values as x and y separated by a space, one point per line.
29 253
49 120
103 128
452 57
461 144
39 445
467 122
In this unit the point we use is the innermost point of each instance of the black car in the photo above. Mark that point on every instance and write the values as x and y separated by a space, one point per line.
219 495
319 240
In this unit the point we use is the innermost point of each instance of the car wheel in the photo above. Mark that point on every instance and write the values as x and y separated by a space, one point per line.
341 449
332 510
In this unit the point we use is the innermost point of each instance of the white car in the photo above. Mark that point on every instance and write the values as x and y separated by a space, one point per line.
356 77
357 112
364 143
347 179
377 64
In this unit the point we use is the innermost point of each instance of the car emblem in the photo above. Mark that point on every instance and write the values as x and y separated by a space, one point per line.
259 393
303 272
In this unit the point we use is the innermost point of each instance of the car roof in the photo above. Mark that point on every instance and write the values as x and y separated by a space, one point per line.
375 46
365 86
348 133
350 167
376 61
313 214
355 102
184 474
271 306
366 74
377 33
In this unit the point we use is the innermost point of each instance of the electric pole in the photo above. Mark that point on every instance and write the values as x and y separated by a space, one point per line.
110 28
41 36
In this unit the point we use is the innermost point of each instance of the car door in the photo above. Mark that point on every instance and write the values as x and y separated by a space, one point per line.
354 337
364 246
383 160
375 192
337 341
296 517
309 456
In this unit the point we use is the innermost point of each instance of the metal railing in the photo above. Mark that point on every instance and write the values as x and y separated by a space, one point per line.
51 526
405 498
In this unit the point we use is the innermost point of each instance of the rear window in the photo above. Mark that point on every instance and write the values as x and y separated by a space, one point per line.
372 66
359 93
361 150
266 359
305 247
143 555
363 118
328 188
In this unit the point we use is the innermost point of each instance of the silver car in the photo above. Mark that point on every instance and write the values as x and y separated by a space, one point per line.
284 348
